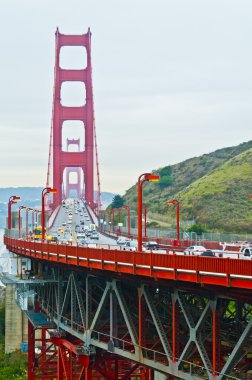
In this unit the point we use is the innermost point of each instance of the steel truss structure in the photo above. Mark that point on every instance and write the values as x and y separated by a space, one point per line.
187 333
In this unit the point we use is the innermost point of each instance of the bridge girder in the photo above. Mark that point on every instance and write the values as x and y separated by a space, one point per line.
172 331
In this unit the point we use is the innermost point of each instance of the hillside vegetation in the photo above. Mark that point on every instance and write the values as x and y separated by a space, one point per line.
213 189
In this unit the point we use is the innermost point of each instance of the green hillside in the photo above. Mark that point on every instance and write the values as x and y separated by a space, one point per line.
213 189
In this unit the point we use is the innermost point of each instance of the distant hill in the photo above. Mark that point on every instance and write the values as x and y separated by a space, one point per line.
26 193
213 189
31 197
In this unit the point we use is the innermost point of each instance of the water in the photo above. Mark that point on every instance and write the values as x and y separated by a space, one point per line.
5 262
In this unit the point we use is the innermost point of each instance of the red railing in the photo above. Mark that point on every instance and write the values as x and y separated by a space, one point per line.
226 272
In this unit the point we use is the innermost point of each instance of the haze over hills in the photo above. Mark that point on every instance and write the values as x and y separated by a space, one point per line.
213 189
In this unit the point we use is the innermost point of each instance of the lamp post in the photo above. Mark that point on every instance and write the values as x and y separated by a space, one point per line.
33 218
146 177
128 209
19 220
27 219
39 221
145 220
110 213
12 200
45 191
119 217
103 216
176 202
36 216
113 219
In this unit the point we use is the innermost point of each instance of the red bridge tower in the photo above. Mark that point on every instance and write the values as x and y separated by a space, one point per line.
85 113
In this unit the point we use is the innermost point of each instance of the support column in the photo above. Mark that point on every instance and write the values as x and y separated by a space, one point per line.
59 365
216 342
175 329
111 321
152 374
59 303
88 302
43 344
140 320
116 369
88 374
31 351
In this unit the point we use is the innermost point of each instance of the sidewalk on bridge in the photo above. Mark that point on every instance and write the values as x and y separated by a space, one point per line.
94 217
53 216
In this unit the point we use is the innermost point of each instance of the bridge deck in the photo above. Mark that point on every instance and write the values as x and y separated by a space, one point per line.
225 272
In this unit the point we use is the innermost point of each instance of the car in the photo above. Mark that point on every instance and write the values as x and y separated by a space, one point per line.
63 241
82 242
80 236
130 245
246 253
208 253
94 235
121 241
91 245
194 250
89 232
151 245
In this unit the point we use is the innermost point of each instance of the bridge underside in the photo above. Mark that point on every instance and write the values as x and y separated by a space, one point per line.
125 327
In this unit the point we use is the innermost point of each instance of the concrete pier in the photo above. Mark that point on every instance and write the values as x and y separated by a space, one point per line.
15 321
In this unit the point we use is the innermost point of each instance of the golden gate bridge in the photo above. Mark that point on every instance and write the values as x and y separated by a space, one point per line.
100 313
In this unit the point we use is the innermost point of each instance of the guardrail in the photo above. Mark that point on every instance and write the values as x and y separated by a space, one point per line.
226 272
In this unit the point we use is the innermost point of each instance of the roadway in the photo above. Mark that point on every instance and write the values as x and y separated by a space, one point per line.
73 220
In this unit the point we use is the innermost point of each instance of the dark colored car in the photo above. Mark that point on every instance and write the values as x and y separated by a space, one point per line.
208 253
151 245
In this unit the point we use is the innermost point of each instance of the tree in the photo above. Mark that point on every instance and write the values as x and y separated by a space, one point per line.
165 181
117 201
198 228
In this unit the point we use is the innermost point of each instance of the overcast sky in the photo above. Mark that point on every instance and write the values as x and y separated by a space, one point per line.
172 79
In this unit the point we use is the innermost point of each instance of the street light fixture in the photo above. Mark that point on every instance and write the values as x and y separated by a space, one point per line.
146 177
119 217
12 200
110 213
145 220
27 219
176 202
103 216
45 191
19 220
36 217
128 209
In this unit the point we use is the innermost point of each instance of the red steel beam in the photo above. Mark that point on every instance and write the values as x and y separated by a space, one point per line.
85 113
195 269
